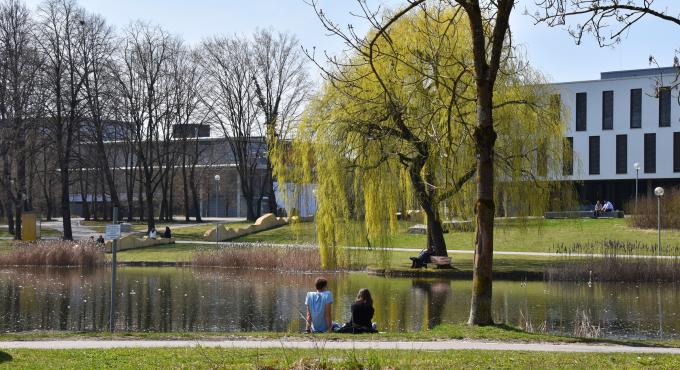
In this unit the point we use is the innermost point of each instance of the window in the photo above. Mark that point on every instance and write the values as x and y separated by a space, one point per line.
568 156
607 110
556 105
650 153
581 111
621 154
676 152
542 159
635 108
594 155
664 107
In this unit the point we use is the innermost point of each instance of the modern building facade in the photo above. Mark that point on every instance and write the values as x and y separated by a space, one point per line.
625 117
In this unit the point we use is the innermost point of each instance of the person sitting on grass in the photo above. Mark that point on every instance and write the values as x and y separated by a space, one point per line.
423 258
167 234
319 305
100 240
362 315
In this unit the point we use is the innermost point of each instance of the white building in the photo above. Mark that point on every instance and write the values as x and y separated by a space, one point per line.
623 118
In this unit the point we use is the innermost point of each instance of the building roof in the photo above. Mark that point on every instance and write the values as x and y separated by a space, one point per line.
639 72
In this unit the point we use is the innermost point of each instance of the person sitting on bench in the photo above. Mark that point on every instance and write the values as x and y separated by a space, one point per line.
608 207
598 209
423 258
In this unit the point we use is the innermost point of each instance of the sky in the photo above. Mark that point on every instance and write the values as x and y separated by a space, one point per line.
550 50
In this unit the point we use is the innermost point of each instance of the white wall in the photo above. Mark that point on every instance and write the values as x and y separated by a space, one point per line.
650 124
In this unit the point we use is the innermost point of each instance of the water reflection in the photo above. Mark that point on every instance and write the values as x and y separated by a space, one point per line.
184 299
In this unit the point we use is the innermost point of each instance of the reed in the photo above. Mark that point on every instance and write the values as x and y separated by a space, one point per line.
261 256
612 260
55 253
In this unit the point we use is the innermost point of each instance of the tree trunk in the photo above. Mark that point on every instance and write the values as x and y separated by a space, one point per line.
271 201
150 218
194 196
65 201
485 137
185 193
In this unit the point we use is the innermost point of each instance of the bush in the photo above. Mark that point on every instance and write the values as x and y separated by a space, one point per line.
55 253
647 211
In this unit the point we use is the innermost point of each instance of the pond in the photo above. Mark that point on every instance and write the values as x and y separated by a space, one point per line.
185 299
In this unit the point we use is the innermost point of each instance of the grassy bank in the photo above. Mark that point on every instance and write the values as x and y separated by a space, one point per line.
536 235
322 359
498 333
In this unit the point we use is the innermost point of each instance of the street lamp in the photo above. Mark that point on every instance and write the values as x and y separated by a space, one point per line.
659 193
637 173
217 223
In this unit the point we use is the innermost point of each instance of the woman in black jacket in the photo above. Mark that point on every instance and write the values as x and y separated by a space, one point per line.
362 315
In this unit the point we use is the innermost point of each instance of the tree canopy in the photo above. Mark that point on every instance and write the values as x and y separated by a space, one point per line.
393 130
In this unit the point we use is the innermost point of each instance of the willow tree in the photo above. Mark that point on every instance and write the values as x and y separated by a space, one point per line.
396 121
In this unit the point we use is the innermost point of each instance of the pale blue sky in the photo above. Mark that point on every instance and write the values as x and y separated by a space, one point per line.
550 50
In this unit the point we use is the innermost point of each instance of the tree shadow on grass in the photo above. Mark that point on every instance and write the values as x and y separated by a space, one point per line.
5 357
631 343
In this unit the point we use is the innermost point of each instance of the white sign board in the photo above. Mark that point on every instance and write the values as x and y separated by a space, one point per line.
112 232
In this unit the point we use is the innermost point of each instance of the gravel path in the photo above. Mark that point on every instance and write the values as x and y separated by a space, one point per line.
308 344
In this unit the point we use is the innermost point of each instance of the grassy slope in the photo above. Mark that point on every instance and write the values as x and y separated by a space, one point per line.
322 359
533 236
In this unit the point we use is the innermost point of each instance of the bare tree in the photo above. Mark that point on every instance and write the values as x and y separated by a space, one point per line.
230 95
96 47
141 72
61 27
282 87
19 66
607 20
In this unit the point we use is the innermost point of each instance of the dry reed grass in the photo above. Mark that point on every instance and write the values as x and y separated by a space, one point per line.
55 253
646 216
260 256
613 260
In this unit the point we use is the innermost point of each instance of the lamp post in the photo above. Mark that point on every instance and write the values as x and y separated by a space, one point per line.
636 165
217 223
217 186
659 193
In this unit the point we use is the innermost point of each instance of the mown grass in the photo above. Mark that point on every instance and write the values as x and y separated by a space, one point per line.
279 358
534 235
499 333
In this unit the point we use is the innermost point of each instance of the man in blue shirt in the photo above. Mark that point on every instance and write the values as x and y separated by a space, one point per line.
319 304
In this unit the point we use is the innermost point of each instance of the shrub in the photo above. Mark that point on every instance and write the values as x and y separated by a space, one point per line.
55 253
646 216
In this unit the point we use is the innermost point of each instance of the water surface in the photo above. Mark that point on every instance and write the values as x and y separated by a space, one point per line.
186 299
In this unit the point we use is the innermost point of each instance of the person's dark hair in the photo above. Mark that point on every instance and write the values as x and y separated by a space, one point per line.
365 296
320 283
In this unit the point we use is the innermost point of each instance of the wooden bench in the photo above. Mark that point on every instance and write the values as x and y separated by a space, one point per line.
440 261
582 214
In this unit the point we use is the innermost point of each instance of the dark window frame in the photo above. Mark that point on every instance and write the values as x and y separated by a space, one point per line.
665 98
676 152
608 110
568 156
621 154
635 108
649 153
581 111
594 155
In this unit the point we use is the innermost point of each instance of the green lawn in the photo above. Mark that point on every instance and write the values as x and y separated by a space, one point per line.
210 358
179 230
536 235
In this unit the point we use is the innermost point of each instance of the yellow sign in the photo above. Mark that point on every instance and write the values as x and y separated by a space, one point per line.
29 230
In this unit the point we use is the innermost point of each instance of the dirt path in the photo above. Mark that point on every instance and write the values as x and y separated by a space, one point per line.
308 344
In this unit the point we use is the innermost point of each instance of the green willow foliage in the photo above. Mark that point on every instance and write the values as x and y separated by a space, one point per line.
418 78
